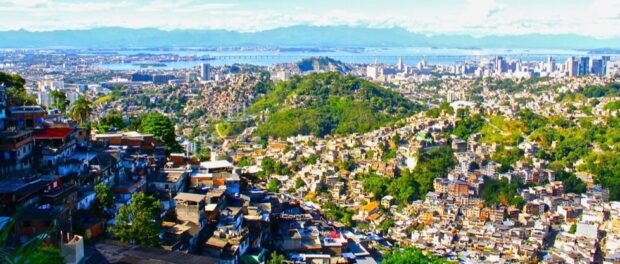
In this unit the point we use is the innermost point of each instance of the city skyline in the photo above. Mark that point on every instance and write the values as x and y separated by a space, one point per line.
600 18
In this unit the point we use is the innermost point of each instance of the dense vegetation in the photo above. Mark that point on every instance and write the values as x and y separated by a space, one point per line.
112 120
161 128
414 184
468 126
329 103
500 192
324 63
15 91
139 221
411 256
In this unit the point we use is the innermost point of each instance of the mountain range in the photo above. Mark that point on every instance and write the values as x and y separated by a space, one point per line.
296 36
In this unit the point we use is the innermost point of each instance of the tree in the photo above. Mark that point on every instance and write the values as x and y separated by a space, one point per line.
273 184
386 224
161 128
112 120
81 109
103 198
16 94
32 251
46 255
244 162
376 185
573 229
276 258
411 256
59 100
339 104
299 183
139 222
500 192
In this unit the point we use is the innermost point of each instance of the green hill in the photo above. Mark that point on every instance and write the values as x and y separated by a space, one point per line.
322 63
329 103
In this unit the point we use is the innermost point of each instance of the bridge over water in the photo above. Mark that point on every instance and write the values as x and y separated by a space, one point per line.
388 58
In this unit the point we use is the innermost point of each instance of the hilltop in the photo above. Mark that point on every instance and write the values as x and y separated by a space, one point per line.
322 63
328 103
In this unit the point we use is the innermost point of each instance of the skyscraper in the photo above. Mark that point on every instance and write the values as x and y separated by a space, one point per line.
584 65
400 65
572 66
550 64
596 67
605 60
500 64
204 71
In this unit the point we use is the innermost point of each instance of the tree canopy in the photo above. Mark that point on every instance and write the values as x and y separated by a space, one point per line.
416 183
161 128
15 91
411 256
104 198
81 109
329 103
139 221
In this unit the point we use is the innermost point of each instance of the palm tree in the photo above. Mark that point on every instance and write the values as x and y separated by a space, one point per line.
59 100
81 109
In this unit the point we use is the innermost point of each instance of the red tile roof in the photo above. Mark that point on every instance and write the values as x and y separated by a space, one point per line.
54 133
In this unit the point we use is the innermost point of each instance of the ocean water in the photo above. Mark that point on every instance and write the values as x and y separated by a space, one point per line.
410 56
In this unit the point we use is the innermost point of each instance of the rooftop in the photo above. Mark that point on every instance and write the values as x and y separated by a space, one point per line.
54 133
216 164
190 197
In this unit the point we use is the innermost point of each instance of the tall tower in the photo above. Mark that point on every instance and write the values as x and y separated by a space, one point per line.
584 65
204 71
550 64
572 67
400 65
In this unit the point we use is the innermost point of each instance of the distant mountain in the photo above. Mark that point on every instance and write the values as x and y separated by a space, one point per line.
329 103
296 36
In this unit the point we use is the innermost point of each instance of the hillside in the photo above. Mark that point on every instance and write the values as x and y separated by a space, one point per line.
322 63
329 103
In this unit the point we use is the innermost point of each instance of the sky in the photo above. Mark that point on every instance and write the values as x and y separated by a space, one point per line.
596 18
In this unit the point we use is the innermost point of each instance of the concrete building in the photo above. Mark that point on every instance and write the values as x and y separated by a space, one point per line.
190 207
204 71
572 67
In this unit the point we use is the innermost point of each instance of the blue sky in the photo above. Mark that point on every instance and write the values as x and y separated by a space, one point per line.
598 18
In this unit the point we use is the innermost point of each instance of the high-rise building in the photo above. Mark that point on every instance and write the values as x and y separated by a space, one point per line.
44 97
450 96
283 75
584 65
500 64
51 85
596 67
3 105
162 78
400 65
605 59
191 76
572 66
550 64
204 71
141 77
373 71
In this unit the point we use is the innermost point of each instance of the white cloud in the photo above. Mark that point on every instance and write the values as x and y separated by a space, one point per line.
478 17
